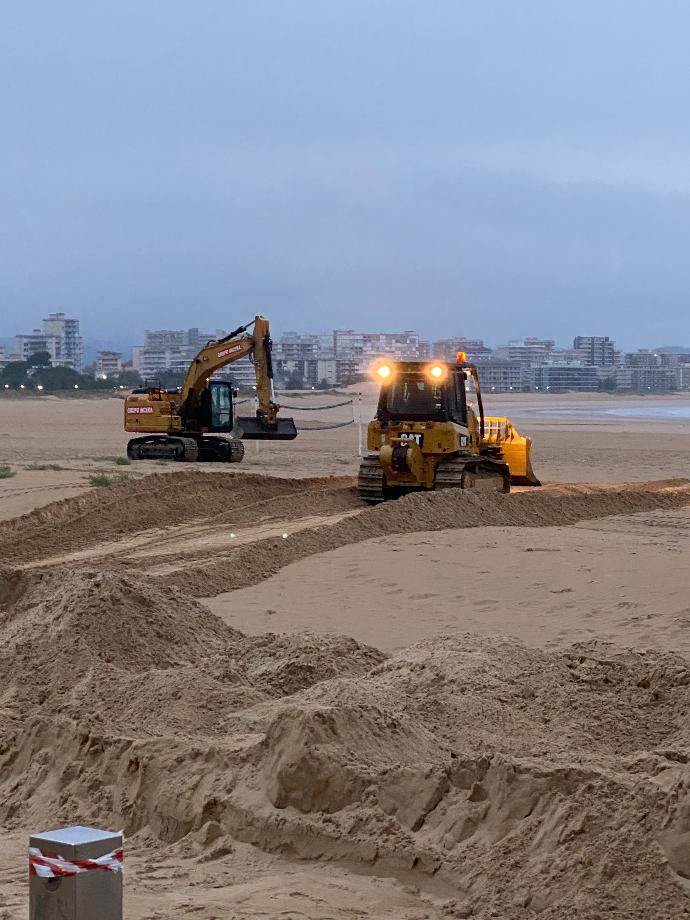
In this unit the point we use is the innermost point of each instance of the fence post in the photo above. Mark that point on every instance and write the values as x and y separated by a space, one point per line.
359 425
75 873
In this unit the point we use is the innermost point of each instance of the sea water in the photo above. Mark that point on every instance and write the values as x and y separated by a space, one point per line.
652 411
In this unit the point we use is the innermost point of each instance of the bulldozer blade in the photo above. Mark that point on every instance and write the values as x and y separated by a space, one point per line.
515 449
517 454
251 429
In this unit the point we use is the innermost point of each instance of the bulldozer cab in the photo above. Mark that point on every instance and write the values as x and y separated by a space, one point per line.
414 395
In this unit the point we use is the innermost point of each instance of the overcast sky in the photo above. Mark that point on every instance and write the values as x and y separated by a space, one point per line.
461 167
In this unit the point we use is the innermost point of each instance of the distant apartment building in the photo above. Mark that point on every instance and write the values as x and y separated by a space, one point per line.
173 350
528 351
556 378
60 337
596 350
294 347
343 356
642 358
108 363
449 348
644 377
168 349
500 376
644 371
406 344
30 343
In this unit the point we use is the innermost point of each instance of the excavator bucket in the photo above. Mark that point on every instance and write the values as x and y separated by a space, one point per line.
516 450
252 429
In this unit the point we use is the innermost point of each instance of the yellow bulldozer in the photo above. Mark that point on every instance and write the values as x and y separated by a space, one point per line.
430 432
197 421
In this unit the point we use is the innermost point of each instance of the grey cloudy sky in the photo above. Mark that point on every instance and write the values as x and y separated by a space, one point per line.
487 168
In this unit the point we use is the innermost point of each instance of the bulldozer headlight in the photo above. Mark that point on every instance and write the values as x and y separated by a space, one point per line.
436 372
383 372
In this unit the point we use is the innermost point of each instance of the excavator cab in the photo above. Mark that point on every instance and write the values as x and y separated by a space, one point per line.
216 414
220 409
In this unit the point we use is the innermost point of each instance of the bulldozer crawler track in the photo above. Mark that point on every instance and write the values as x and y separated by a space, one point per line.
371 483
481 473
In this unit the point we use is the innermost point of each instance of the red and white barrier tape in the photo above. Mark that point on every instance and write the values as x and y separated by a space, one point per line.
58 867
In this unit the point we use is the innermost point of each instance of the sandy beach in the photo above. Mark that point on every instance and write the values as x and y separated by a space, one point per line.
296 706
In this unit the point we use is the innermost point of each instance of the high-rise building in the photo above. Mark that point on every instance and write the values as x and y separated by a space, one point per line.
596 350
71 341
60 337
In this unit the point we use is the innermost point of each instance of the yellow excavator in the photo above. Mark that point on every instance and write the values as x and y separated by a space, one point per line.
197 421
430 432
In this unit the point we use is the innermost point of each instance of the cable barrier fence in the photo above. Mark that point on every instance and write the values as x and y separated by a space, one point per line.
311 413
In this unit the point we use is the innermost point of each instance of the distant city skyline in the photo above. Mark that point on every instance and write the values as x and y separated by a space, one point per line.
489 170
95 343
343 356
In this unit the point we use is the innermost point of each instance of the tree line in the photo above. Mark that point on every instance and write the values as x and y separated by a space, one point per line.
38 373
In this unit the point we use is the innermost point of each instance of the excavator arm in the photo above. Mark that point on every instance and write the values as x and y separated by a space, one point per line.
237 344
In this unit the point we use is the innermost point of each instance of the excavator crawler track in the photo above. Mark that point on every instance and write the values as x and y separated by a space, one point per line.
206 449
371 483
156 447
220 450
163 448
190 450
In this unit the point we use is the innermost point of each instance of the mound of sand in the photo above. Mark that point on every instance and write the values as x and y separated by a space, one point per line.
164 500
151 506
429 511
515 781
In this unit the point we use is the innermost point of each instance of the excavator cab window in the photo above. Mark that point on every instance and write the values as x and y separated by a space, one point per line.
221 406
215 407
